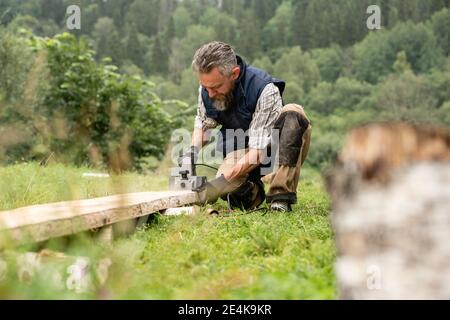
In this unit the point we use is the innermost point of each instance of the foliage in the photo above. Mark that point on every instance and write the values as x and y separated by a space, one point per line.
331 62
14 65
333 65
440 24
255 27
376 54
300 72
85 112
103 109
345 93
278 33
406 97
183 49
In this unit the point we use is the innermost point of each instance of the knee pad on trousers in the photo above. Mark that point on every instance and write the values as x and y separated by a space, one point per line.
292 127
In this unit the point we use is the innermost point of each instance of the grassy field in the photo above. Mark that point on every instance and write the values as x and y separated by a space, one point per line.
260 255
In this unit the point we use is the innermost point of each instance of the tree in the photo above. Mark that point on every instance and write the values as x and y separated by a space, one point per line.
405 97
419 44
183 50
145 14
300 34
297 67
249 35
107 40
278 32
401 65
376 54
158 63
182 20
264 10
345 94
41 28
114 114
114 9
15 62
264 63
135 50
440 24
224 25
166 8
331 62
53 10
439 82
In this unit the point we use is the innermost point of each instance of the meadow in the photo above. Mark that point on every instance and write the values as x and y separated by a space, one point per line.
236 255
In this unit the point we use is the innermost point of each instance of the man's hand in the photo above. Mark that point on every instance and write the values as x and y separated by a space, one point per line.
244 166
189 157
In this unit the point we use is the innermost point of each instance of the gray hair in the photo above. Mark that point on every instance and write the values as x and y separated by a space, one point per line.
215 54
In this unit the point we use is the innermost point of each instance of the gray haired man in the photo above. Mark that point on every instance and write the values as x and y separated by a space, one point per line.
241 98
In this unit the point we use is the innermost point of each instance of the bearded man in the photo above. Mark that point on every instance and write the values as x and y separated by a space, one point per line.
247 102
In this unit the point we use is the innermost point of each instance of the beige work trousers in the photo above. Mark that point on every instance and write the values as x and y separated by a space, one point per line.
285 178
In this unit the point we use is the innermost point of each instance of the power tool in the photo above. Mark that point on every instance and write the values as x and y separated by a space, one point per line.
185 178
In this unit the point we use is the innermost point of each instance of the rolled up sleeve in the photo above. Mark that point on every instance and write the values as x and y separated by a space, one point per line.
267 110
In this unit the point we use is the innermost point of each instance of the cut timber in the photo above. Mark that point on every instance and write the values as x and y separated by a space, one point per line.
105 235
42 222
391 213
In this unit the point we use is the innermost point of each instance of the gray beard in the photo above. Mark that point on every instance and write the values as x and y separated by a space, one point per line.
225 104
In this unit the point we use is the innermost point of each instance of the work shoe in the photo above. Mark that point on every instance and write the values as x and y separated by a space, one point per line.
280 206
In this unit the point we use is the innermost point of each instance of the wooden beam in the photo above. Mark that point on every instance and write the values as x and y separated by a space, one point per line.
42 222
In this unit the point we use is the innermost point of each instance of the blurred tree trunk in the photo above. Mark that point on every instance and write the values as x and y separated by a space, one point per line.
391 213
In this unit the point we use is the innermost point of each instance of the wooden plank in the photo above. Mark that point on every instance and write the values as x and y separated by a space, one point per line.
42 222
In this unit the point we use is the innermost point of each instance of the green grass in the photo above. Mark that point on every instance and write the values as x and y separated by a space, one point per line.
260 255
29 184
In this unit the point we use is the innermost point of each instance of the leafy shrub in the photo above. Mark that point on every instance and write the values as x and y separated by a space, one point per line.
85 112
376 54
346 94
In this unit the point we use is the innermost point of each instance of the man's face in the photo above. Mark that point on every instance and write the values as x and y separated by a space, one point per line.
218 85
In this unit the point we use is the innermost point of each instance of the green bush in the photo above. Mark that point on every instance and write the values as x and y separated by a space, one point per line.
105 113
330 62
440 23
346 94
444 113
406 97
377 53
81 111
324 149
15 61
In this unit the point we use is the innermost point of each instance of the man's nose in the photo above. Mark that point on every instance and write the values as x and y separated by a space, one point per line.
211 93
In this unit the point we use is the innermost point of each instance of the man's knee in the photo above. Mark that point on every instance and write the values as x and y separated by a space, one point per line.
292 107
292 126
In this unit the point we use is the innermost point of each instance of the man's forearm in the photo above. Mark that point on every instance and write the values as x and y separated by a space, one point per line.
245 165
199 138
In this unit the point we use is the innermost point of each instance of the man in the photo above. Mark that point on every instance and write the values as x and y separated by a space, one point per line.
241 98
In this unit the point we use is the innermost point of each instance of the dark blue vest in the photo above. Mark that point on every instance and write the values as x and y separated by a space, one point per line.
248 88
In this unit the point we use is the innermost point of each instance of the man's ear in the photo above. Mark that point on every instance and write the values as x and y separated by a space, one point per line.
235 73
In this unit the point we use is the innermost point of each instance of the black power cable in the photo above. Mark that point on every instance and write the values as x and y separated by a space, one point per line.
205 165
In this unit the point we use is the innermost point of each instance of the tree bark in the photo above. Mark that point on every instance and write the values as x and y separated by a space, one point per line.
391 213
